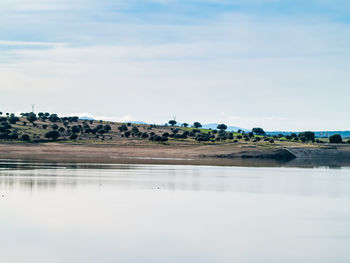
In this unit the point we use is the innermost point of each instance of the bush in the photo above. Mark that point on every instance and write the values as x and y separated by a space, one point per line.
303 139
25 137
144 135
123 128
54 118
336 138
31 117
107 128
202 137
53 135
310 136
127 134
73 136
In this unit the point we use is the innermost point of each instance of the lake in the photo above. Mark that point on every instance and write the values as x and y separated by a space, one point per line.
173 213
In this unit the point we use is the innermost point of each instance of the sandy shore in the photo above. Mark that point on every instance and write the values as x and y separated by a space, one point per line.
225 154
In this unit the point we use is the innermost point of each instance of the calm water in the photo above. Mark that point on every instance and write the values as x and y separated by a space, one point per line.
165 214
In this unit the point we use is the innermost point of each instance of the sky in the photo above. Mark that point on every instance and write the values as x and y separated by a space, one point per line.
276 64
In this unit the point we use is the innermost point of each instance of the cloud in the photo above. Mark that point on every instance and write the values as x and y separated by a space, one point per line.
113 63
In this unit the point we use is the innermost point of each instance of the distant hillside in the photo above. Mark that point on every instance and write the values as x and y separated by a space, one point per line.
319 134
214 126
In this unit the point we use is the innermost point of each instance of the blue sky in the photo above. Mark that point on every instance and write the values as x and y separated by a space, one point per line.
282 65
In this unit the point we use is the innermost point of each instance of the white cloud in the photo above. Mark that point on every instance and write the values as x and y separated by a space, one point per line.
246 68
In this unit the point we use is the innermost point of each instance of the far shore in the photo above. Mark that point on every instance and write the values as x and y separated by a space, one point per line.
224 154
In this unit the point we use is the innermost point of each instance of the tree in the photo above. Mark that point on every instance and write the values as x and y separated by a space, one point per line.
172 122
25 137
52 135
197 125
54 127
54 118
185 125
107 128
336 138
310 136
13 119
123 128
75 129
222 127
73 136
31 117
258 131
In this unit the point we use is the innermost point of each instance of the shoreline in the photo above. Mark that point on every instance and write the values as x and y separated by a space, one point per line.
221 155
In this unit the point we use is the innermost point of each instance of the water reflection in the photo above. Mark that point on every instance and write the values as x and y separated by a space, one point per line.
135 213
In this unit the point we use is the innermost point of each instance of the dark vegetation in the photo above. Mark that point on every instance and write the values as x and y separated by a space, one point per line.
46 127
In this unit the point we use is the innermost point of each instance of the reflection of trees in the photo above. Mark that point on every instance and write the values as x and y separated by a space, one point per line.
10 180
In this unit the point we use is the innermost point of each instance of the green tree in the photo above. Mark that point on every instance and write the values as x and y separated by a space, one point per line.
197 125
336 138
222 127
310 136
31 117
258 131
172 122
53 135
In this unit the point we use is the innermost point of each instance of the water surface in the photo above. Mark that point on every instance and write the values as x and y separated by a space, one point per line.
172 213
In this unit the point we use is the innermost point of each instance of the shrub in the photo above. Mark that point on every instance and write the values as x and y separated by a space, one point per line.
127 134
123 128
31 117
144 135
54 118
310 136
13 119
303 139
25 137
336 138
202 137
73 136
54 127
165 134
107 128
75 129
53 135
